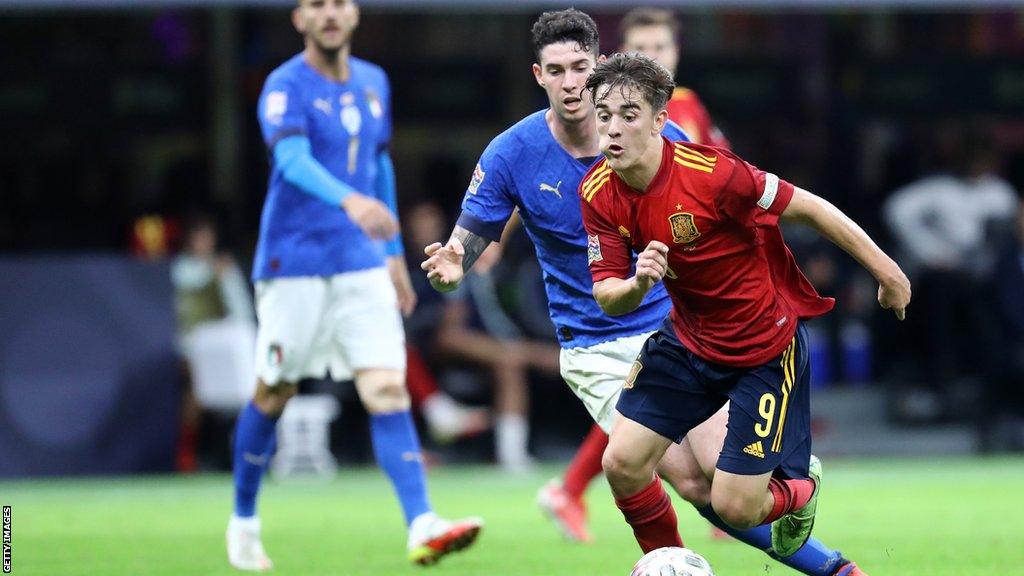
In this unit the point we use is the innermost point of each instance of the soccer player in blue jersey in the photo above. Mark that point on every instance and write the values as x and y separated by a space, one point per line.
532 167
330 276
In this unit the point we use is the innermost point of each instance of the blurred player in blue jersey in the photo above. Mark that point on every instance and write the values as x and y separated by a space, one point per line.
534 166
329 273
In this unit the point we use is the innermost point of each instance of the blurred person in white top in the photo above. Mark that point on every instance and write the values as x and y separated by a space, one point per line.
943 221
947 226
217 329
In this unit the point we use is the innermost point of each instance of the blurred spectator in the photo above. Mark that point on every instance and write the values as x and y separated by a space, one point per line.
944 226
209 285
469 328
655 32
217 335
446 418
475 330
1001 423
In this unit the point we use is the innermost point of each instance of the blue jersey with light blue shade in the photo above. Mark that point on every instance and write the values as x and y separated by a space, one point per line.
348 125
526 168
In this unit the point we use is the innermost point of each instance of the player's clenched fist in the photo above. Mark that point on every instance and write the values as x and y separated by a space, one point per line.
371 215
651 264
894 294
444 265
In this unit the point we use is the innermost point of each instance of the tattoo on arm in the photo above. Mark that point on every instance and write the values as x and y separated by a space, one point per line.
474 245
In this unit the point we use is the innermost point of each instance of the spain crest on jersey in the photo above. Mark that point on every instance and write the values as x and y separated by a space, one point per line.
684 230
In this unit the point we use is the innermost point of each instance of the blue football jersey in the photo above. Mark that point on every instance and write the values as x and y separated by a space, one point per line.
348 124
526 168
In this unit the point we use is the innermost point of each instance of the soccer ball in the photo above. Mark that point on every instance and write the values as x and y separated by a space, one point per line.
672 562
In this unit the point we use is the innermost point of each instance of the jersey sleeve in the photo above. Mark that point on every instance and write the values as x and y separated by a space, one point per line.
280 111
607 252
752 196
489 199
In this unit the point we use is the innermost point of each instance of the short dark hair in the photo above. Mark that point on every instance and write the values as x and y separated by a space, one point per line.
633 70
640 17
568 25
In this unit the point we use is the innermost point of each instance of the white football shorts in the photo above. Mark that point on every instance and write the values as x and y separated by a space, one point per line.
595 374
312 324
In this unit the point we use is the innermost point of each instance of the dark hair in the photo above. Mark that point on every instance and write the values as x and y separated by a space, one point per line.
640 17
568 25
633 70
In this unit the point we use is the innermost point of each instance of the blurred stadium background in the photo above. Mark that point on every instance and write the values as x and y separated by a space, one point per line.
127 121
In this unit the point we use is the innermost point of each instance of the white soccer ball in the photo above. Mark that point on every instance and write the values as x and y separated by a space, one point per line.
672 562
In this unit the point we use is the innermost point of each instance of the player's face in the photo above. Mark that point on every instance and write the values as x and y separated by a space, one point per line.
562 72
627 126
655 42
328 24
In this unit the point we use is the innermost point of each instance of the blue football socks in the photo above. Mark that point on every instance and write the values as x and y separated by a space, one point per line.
814 558
254 444
397 448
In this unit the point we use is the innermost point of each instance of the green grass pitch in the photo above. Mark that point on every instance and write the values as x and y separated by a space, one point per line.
930 518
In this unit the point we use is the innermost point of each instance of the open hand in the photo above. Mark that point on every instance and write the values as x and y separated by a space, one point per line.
444 265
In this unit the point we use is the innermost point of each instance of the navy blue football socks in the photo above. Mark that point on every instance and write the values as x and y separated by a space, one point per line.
814 558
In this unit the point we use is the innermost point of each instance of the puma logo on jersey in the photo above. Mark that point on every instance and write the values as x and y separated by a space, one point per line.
755 449
550 188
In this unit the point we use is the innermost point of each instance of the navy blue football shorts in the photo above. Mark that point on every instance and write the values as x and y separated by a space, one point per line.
670 391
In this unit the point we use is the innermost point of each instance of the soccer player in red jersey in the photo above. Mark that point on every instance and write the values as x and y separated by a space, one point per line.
655 32
705 223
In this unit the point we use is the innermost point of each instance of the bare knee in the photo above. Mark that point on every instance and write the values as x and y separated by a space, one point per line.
626 473
681 470
737 511
382 391
695 489
271 400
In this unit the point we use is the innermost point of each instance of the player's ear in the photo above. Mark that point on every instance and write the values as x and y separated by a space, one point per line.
536 74
660 119
297 22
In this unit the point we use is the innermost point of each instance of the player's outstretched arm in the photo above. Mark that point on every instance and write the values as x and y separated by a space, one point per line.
617 296
831 222
446 265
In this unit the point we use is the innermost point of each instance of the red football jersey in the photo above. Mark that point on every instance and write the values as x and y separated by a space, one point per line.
686 109
736 290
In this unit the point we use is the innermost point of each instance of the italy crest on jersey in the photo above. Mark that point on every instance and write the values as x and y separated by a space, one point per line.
684 230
